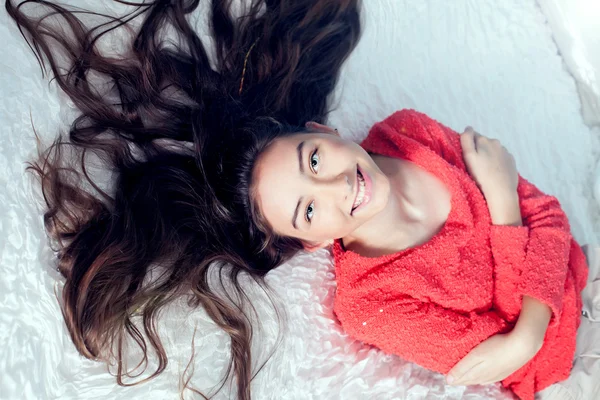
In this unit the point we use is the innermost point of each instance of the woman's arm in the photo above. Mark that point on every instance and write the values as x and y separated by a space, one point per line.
533 259
535 315
425 333
493 168
533 322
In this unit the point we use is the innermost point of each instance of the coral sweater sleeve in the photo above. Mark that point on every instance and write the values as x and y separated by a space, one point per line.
533 259
421 332
529 260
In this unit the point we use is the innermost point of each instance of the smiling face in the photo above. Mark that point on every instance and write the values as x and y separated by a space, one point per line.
318 186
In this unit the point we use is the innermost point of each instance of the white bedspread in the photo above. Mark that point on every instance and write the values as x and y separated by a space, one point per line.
486 63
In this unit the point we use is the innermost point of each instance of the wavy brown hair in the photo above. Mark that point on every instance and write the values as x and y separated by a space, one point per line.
180 132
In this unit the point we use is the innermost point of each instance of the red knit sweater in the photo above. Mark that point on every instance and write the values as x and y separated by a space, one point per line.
433 303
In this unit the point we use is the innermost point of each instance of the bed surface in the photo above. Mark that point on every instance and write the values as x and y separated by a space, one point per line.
493 65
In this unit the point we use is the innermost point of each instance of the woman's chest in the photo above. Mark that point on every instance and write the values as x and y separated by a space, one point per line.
449 261
457 275
423 202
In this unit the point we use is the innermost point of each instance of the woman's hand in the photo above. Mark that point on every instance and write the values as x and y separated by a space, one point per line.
494 170
489 163
493 360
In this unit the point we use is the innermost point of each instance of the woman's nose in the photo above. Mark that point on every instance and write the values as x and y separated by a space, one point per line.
348 185
339 187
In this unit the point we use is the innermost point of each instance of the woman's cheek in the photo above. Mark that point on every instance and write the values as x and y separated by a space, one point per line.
340 228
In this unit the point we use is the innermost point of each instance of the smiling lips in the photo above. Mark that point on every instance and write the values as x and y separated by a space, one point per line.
363 194
361 191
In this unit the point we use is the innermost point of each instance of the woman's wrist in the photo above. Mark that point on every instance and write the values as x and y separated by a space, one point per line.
532 324
525 343
528 338
504 209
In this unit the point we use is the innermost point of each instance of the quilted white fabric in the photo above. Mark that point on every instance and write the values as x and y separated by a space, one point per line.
486 63
575 30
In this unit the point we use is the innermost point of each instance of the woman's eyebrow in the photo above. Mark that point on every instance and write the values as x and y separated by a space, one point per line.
296 212
299 149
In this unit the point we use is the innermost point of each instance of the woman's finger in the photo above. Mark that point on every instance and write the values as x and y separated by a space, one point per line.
480 140
484 378
490 382
474 376
467 141
475 380
461 370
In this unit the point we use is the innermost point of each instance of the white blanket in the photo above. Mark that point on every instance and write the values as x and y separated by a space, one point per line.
486 63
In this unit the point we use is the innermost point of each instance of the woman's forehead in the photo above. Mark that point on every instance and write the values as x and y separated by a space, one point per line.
277 175
274 182
288 152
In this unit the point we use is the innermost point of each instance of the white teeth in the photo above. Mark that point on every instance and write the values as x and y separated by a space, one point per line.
361 192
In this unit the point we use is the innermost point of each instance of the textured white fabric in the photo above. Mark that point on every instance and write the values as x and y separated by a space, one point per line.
583 383
591 293
575 29
486 63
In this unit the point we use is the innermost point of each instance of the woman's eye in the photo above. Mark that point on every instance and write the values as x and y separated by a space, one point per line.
314 162
310 211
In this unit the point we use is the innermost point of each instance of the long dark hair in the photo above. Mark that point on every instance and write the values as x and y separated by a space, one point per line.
180 131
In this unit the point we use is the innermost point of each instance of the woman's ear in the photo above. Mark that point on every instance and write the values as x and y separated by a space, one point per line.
312 247
317 127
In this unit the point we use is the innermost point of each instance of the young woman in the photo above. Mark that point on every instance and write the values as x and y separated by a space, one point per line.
443 254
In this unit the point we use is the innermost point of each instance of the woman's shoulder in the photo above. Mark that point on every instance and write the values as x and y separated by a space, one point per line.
408 130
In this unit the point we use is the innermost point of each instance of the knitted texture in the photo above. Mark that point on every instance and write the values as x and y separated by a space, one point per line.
433 303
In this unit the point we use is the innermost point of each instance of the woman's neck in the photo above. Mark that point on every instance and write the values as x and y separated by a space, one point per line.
417 208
